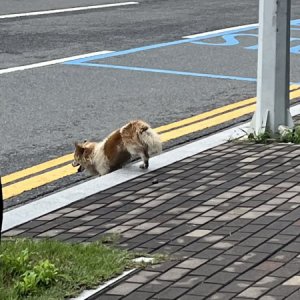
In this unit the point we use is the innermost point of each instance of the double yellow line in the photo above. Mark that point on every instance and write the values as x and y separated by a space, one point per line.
39 175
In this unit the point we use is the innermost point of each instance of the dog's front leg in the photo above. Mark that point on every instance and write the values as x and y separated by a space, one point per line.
145 157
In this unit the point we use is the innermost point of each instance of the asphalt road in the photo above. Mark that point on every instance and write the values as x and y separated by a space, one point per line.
44 110
35 39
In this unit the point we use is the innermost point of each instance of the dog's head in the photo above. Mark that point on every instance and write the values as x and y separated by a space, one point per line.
83 155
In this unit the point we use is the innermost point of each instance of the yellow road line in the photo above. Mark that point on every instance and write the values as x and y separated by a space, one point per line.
217 120
174 134
293 94
36 181
205 115
180 128
37 168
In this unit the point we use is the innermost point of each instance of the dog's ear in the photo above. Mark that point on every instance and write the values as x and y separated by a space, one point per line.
79 147
144 128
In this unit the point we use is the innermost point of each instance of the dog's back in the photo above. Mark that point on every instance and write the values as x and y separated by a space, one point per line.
138 135
115 151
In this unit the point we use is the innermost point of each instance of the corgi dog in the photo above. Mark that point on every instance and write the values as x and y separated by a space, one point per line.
135 139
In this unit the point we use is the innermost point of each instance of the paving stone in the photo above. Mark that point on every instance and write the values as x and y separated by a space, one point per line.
143 276
208 253
196 247
268 248
189 281
222 296
51 233
238 267
269 297
171 293
190 297
293 281
163 267
137 295
155 286
253 275
236 286
198 233
212 238
158 230
268 266
49 217
205 289
269 281
294 296
191 263
206 270
200 220
173 274
124 288
223 245
222 278
283 256
283 290
12 232
224 260
238 250
253 292
288 270
107 297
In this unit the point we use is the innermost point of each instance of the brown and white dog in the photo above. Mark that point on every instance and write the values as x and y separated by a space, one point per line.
136 138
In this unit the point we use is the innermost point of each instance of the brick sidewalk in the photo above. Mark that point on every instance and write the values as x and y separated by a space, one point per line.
230 216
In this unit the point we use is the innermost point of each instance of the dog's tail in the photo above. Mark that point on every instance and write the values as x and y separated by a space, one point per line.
150 138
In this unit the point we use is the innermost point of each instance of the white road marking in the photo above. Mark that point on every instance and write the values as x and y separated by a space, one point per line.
203 34
63 10
50 62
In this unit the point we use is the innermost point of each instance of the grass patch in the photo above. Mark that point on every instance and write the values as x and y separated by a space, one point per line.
286 135
52 270
261 138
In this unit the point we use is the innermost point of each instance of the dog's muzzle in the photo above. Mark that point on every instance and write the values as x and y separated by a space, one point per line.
80 169
75 163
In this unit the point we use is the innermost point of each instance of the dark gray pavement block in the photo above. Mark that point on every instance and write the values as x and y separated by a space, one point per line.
294 296
283 256
171 293
236 286
107 297
190 297
231 221
143 276
223 296
123 288
137 295
155 286
205 289
189 281
222 278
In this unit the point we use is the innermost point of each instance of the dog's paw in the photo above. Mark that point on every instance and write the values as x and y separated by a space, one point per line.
143 166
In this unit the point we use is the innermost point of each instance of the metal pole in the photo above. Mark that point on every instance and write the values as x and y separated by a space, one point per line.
1 208
273 69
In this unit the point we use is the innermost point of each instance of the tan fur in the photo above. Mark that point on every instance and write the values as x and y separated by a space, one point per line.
136 138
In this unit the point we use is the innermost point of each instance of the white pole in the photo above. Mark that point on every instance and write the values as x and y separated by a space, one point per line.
273 69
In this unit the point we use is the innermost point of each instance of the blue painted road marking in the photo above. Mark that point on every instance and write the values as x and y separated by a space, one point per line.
230 38
169 72
151 47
